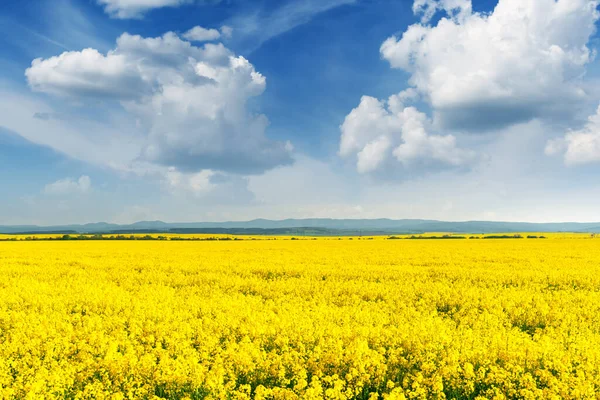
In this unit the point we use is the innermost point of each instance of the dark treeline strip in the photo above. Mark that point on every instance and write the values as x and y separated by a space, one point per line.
301 231
69 237
45 233
445 237
112 237
512 237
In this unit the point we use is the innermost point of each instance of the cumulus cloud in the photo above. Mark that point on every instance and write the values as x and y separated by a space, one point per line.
189 102
69 186
86 73
200 34
479 71
579 146
382 134
136 8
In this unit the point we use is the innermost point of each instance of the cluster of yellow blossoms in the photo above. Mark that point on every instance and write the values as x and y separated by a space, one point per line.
304 319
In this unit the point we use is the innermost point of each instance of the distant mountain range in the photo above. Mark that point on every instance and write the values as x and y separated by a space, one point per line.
309 226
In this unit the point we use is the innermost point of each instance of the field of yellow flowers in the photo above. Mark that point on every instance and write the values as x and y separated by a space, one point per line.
302 319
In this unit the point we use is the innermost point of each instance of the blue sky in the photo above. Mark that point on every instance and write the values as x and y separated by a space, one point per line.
298 108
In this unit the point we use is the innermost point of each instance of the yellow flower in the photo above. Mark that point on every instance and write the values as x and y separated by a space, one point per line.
304 319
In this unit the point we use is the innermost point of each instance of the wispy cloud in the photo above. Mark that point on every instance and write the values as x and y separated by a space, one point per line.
31 42
257 26
13 25
70 24
46 38
61 25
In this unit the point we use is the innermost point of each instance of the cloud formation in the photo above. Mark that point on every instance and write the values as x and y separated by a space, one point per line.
579 146
198 183
86 73
261 24
382 134
69 186
479 71
200 34
190 103
457 10
136 8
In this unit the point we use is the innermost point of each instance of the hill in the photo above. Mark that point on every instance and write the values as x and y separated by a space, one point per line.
310 227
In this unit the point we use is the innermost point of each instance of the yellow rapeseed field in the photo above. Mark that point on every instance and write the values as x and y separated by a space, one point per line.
302 319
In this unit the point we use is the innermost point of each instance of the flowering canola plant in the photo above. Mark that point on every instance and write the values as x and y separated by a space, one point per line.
304 319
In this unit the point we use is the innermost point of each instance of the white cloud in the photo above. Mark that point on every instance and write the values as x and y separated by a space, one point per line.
508 187
382 134
112 142
69 186
189 102
136 8
86 73
456 9
479 71
579 146
200 34
373 154
227 31
198 183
